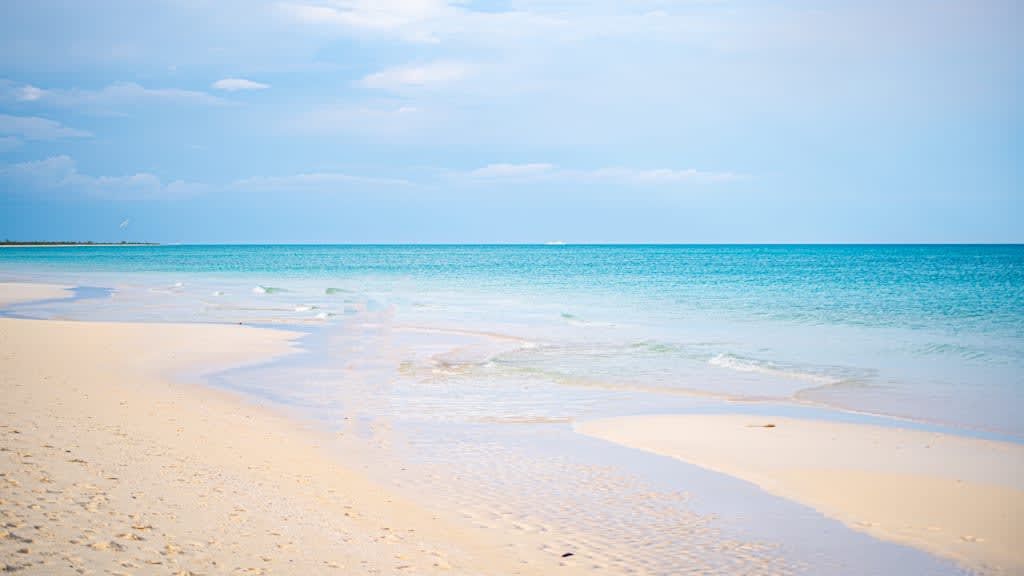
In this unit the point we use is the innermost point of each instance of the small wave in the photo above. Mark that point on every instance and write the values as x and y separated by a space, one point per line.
656 347
175 288
947 349
305 308
330 291
267 290
739 364
218 292
574 320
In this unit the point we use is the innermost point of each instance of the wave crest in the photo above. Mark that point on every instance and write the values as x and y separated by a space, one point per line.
741 364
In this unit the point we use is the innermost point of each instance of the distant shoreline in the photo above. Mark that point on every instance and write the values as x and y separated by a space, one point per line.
537 244
71 244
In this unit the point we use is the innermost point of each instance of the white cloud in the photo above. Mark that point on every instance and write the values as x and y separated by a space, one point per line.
493 172
408 18
60 174
314 181
36 128
112 97
664 175
417 76
28 93
130 92
434 21
235 84
380 119
512 170
9 143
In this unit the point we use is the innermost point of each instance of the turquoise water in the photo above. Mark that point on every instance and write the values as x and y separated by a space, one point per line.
929 333
951 288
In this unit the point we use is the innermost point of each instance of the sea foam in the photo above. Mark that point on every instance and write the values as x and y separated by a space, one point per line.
740 364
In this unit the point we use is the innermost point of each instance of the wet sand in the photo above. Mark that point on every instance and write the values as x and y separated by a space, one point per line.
110 465
15 292
956 497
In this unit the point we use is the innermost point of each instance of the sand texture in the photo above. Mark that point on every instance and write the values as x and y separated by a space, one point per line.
107 465
957 497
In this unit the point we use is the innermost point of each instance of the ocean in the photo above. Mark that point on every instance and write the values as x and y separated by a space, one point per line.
933 334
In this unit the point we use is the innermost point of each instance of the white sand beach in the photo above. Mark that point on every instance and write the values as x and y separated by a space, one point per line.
116 458
953 496
111 464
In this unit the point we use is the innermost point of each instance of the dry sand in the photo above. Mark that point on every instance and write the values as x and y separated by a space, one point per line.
107 465
953 496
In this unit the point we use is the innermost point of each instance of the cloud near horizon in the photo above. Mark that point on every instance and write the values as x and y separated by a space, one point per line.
36 128
623 175
315 181
237 84
428 75
60 174
112 98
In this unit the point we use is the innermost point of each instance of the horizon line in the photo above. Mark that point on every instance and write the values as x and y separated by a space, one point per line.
559 244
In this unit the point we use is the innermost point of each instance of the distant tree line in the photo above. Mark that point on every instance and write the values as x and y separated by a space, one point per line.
7 242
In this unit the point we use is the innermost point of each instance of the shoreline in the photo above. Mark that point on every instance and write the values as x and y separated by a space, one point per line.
952 496
125 379
110 463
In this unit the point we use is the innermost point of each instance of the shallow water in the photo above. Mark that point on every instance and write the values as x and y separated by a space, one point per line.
933 333
457 371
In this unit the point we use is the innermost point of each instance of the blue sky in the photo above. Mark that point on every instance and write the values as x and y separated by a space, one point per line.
518 121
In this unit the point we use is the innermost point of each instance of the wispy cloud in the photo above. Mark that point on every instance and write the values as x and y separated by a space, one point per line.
500 171
236 84
404 17
664 175
111 98
9 143
36 128
324 181
417 76
28 93
425 21
60 174
617 174
380 119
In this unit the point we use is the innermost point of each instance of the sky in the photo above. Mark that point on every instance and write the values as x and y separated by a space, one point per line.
512 121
